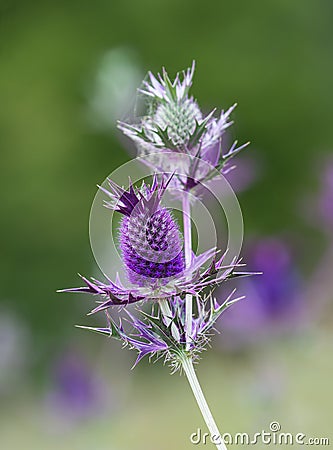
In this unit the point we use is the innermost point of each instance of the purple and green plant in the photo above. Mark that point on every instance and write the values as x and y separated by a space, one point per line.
171 286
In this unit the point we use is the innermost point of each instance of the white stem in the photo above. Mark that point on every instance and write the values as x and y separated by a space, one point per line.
187 228
188 258
202 403
166 311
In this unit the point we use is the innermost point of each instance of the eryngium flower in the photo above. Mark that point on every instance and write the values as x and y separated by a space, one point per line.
152 253
175 123
150 240
151 246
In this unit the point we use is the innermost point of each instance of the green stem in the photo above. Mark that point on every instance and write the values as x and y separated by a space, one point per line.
216 437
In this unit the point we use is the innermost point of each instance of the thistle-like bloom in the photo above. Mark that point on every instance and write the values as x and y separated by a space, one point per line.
150 239
178 284
151 249
175 123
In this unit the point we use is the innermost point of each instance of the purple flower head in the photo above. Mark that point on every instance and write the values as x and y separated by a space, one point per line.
150 240
175 123
151 249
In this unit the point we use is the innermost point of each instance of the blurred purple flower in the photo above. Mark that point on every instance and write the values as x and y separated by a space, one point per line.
76 391
273 302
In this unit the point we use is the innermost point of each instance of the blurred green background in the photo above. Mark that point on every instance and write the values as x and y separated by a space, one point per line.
273 58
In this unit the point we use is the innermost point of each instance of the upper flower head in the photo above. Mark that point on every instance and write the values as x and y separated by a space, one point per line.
175 123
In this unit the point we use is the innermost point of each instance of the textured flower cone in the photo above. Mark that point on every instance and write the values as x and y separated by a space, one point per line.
179 119
151 246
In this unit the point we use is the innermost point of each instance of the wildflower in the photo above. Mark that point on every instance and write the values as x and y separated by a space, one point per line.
179 284
175 124
152 253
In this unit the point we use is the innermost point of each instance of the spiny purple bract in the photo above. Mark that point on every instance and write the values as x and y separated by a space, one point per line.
151 246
